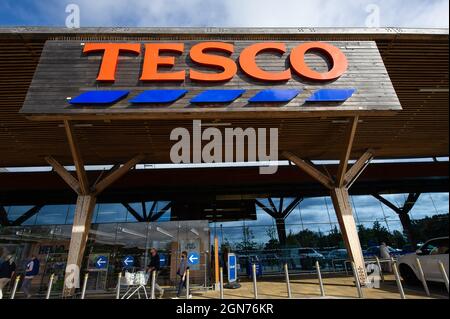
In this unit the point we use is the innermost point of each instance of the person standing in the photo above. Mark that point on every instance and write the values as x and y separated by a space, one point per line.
182 268
31 271
385 255
7 271
154 266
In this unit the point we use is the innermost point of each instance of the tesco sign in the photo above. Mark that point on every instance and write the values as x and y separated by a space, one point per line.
205 54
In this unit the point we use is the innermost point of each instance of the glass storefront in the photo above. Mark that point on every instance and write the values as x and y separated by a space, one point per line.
117 244
298 236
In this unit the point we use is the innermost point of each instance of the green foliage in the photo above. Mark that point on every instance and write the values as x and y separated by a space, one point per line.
430 227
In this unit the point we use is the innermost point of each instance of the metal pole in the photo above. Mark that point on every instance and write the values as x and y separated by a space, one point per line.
288 283
319 276
221 282
50 285
152 294
422 277
83 291
187 283
255 287
357 283
444 273
379 268
119 277
16 283
397 279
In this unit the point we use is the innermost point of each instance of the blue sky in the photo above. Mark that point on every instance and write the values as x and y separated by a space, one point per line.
229 13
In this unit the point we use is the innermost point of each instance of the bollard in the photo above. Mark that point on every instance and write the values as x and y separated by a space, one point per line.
288 283
16 283
221 282
50 286
444 273
357 283
379 268
83 290
319 276
422 277
119 277
397 279
187 283
152 294
255 286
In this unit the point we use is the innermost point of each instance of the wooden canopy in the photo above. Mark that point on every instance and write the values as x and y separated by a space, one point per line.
416 60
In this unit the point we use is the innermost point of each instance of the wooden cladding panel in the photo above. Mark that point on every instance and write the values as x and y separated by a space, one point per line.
65 72
414 63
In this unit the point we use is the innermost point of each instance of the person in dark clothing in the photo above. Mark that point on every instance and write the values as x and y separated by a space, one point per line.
154 266
31 271
7 271
182 268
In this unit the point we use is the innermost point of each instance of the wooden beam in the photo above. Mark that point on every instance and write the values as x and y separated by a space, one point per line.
272 204
77 159
310 170
357 167
266 209
3 216
27 215
343 161
409 203
133 212
291 206
64 174
116 174
156 216
342 207
387 203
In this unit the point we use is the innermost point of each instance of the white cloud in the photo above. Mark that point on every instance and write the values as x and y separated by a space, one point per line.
262 13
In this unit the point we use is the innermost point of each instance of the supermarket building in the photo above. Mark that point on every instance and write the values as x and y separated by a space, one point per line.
80 100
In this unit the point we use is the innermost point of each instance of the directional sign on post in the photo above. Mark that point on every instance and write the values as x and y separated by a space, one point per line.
128 261
193 258
101 262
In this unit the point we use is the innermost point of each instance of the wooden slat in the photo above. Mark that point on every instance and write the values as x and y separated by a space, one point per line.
413 61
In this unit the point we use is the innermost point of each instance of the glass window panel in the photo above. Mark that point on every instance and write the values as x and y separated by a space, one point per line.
52 214
15 212
70 214
368 208
110 213
430 204
313 210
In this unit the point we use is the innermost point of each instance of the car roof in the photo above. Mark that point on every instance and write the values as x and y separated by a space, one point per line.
437 238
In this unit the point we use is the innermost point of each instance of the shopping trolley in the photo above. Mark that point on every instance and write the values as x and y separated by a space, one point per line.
135 281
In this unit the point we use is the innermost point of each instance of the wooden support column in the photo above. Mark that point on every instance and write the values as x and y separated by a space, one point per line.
343 209
87 197
338 187
80 232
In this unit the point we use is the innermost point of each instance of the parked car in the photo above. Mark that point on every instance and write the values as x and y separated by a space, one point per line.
375 251
308 257
309 253
338 254
433 251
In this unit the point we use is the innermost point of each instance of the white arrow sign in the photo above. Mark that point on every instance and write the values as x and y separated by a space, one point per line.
100 262
127 261
192 258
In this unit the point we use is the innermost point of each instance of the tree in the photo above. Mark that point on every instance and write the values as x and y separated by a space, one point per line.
247 242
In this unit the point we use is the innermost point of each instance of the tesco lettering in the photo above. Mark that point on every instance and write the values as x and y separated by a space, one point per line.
203 54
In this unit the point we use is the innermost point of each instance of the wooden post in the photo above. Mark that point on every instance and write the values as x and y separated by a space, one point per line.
216 261
80 231
349 231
